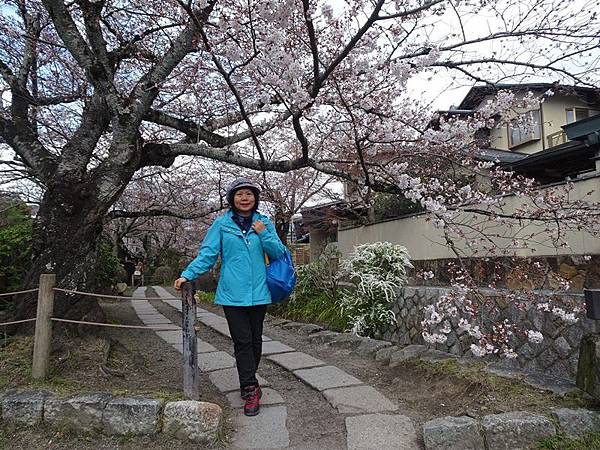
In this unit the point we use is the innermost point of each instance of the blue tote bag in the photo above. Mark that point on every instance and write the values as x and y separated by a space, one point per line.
281 277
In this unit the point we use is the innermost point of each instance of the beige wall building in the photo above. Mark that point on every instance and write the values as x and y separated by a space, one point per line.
545 152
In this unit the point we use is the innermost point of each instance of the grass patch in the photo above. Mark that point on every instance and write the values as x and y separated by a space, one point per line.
205 297
588 442
319 309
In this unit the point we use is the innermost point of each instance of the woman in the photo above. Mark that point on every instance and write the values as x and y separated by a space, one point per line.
241 236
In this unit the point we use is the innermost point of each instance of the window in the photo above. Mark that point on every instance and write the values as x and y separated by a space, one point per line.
525 128
575 114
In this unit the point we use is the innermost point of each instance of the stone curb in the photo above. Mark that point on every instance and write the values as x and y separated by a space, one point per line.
189 420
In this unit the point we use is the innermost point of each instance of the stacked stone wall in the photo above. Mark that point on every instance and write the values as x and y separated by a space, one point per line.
556 355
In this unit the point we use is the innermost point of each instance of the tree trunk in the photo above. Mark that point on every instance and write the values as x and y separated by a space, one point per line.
65 239
282 226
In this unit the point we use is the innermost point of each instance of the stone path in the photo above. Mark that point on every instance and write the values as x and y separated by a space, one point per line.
371 419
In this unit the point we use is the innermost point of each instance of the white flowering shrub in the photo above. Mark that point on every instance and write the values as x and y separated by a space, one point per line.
376 270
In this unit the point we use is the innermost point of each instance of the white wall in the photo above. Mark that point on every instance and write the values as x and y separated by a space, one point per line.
425 242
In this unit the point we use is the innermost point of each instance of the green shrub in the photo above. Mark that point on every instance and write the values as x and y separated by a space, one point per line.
316 297
205 297
15 248
108 270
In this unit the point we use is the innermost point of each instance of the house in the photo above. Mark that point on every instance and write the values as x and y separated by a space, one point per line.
563 144
545 150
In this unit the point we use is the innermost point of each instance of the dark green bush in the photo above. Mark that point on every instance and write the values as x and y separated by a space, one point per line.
108 270
15 246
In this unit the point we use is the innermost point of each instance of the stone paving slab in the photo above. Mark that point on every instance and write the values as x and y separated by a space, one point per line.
171 337
227 380
207 362
271 347
327 377
202 347
380 431
162 292
269 397
267 430
145 311
155 320
295 360
358 399
222 328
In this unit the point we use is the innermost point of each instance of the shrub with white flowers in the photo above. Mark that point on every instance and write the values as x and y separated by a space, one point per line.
376 270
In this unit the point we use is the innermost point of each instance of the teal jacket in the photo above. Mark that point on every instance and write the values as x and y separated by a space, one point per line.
243 279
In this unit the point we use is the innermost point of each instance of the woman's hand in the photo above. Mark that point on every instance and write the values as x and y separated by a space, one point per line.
179 282
258 226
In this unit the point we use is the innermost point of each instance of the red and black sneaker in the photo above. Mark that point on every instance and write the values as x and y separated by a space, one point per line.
252 405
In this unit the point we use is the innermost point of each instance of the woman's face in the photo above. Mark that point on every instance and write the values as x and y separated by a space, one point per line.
243 201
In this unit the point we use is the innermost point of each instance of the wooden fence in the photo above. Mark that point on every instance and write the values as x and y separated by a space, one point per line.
43 329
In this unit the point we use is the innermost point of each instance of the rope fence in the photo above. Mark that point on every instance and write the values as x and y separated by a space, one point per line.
115 325
43 328
6 294
120 297
15 322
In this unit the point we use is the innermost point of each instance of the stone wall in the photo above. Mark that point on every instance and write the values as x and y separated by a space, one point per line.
556 355
542 272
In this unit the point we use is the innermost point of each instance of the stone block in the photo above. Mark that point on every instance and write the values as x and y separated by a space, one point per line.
323 336
292 325
516 430
132 415
411 351
189 420
562 347
358 399
384 354
295 360
370 346
547 358
82 413
574 334
453 433
207 362
346 340
577 422
433 356
267 430
24 408
381 431
588 369
327 377
271 347
309 328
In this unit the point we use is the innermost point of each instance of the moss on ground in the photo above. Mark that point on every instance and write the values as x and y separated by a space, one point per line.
588 442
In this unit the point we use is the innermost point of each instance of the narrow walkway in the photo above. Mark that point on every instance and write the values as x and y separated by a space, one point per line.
369 416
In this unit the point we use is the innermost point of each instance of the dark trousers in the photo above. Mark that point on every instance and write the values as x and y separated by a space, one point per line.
246 327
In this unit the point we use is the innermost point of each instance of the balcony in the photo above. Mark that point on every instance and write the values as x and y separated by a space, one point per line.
554 139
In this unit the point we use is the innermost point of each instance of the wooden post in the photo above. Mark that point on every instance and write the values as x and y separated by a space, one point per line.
43 326
190 344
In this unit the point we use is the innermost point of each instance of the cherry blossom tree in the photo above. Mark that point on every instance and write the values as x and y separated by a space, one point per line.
96 91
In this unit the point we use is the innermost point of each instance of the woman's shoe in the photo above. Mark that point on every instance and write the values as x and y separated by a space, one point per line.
252 405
